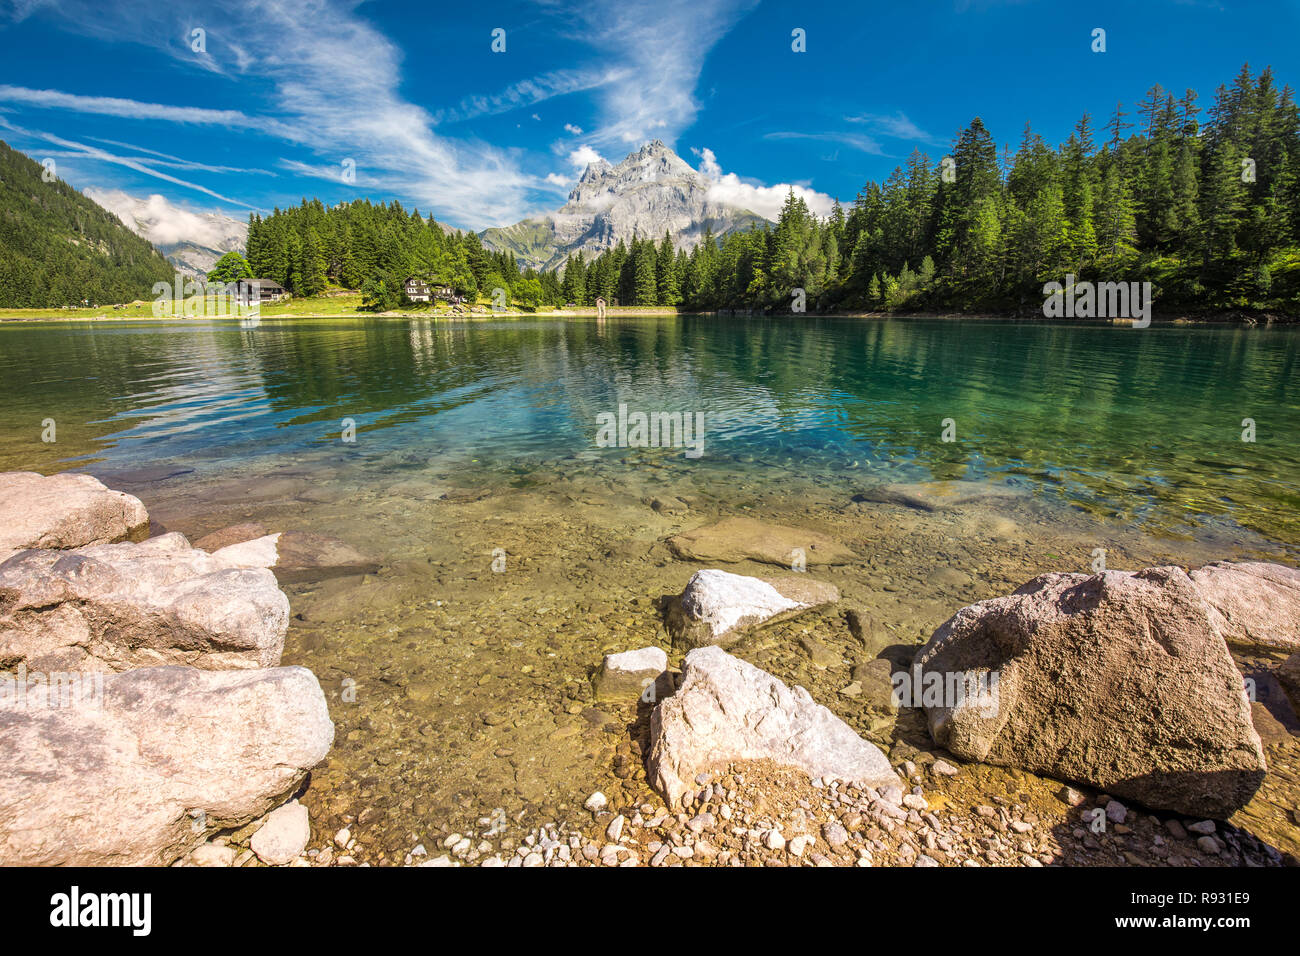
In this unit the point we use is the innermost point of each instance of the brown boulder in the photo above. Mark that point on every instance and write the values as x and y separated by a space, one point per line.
1253 602
234 534
149 763
64 511
113 607
1120 680
936 495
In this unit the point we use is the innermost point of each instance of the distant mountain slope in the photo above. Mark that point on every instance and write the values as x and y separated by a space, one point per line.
191 241
57 247
650 191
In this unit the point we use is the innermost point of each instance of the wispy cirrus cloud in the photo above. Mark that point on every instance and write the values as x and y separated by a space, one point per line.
176 162
664 51
334 84
84 151
126 108
866 136
320 77
897 126
529 92
865 144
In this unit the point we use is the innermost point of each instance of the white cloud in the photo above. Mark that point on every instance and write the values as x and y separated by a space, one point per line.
164 223
575 130
709 167
765 200
555 179
583 156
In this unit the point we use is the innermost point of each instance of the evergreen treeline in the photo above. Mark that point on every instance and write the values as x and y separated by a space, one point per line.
375 248
1207 208
58 247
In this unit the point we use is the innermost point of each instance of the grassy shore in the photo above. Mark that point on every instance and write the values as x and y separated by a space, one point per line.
333 305
349 305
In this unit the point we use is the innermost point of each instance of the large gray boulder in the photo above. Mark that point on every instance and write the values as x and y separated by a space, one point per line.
144 772
113 607
1253 602
728 709
718 607
64 511
1120 680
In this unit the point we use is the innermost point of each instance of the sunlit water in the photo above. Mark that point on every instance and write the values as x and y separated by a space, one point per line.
1144 424
479 438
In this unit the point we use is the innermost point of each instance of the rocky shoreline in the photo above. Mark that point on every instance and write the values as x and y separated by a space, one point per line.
730 766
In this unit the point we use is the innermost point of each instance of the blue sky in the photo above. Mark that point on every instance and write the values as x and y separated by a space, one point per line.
286 91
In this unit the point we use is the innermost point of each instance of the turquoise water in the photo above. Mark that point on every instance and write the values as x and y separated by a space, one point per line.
458 690
1143 425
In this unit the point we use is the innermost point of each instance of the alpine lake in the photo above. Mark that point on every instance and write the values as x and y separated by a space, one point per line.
511 548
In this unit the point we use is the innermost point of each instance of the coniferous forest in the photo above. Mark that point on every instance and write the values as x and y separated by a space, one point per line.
58 247
1203 202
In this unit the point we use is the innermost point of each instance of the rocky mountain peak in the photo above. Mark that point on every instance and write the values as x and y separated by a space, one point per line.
650 192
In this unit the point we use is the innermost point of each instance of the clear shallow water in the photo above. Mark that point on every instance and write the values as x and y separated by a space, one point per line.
457 691
1140 425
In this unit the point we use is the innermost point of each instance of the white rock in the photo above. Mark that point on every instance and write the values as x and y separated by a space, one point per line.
615 828
211 854
596 802
258 553
283 836
798 844
631 673
728 710
724 602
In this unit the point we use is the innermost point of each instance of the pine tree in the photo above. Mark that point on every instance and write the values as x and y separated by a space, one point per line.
645 287
668 292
